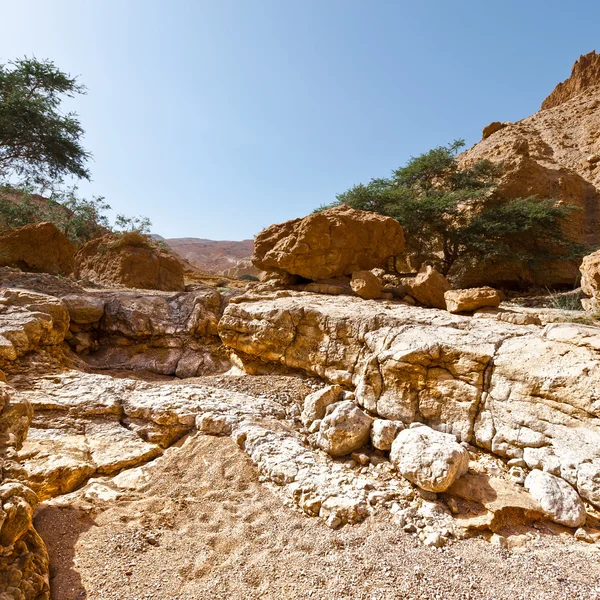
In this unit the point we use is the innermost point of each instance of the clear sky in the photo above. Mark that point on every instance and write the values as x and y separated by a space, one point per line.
216 119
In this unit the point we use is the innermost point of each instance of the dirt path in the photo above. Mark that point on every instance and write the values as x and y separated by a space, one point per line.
204 527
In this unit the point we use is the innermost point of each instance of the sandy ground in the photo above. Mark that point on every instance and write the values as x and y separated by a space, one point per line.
205 527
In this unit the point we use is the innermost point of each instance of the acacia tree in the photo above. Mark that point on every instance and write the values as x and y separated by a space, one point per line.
38 142
451 212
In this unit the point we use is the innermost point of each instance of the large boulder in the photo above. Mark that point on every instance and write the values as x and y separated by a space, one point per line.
430 459
41 248
472 299
590 280
331 243
344 429
130 260
557 498
242 269
428 287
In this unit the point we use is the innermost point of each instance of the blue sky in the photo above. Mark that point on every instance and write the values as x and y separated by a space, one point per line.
216 119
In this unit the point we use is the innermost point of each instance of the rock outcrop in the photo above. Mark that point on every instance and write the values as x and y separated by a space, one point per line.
129 260
584 75
331 243
517 391
40 248
551 154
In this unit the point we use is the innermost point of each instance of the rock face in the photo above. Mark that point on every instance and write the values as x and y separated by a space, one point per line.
169 334
557 498
332 243
428 287
429 459
590 280
517 391
24 560
39 247
472 299
344 429
585 75
129 260
366 285
551 154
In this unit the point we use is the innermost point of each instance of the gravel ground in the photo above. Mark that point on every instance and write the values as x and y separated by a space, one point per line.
205 527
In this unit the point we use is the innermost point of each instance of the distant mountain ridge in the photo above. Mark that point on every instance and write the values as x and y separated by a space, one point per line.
213 256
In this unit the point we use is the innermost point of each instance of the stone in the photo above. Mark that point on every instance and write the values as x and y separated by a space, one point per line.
470 300
384 432
129 260
243 269
491 128
430 459
557 498
330 243
345 429
428 287
39 247
588 482
366 285
84 309
481 502
315 404
590 280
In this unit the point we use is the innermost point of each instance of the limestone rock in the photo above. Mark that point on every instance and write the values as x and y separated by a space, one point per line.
590 279
84 309
430 459
471 299
28 321
384 432
130 260
588 482
428 287
331 243
40 247
557 498
366 285
483 502
345 429
315 404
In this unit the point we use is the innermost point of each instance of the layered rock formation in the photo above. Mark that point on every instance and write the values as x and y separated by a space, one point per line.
129 260
331 243
518 391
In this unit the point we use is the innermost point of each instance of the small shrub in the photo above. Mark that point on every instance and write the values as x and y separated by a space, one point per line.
248 277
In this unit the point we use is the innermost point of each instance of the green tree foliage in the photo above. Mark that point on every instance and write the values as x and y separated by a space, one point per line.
453 213
38 142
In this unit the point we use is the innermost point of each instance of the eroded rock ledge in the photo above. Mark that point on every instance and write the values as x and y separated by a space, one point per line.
521 392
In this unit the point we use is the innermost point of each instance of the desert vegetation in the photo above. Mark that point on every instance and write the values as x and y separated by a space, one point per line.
41 150
453 216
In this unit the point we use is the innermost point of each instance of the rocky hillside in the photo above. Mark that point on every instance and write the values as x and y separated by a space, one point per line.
555 153
212 256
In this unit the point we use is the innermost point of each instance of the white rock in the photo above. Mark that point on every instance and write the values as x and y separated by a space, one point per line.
557 498
384 432
345 429
315 404
430 459
588 482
